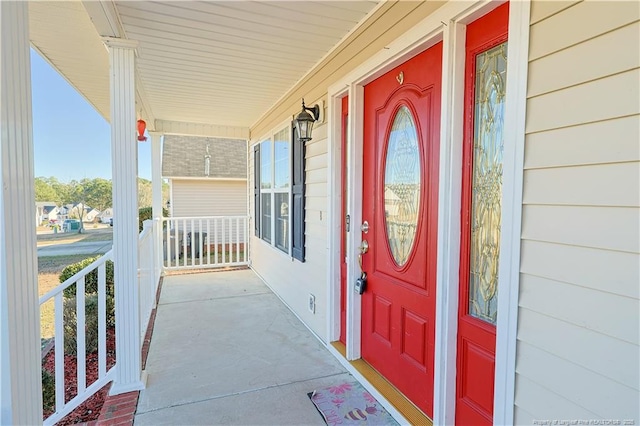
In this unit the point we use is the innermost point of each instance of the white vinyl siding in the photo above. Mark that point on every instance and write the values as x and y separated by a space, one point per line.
293 281
209 198
578 328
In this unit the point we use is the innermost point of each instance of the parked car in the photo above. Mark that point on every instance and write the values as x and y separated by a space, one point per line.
70 225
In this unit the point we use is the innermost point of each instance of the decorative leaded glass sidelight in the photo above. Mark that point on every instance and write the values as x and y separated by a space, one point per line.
402 186
486 201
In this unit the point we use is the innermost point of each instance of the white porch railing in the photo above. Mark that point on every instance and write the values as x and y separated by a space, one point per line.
62 406
148 274
205 242
148 280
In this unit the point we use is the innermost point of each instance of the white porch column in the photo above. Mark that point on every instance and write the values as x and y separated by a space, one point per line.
20 370
124 153
156 181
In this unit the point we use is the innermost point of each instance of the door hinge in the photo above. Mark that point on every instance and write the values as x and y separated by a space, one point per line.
348 223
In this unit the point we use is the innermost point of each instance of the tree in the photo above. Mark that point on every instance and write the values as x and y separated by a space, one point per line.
77 195
145 193
61 188
165 193
99 193
44 191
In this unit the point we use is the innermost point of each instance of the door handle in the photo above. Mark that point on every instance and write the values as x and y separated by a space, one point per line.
364 248
361 283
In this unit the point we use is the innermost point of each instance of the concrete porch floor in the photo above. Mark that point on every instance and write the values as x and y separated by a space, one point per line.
225 350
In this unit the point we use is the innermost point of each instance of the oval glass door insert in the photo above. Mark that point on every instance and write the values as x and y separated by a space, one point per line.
402 186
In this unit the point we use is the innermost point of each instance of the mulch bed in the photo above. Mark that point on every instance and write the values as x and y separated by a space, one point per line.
90 409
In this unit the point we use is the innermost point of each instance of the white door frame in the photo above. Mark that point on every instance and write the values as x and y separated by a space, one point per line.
448 24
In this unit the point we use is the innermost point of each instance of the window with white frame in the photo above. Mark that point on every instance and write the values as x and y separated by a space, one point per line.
279 192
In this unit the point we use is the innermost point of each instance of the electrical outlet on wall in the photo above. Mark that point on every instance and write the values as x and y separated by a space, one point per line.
312 303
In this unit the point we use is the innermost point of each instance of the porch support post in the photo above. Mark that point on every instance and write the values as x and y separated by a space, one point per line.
124 153
156 182
20 370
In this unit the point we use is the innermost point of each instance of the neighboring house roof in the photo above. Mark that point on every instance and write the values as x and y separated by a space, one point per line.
45 204
108 212
184 156
68 208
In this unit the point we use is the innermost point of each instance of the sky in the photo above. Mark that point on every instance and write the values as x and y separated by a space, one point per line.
71 140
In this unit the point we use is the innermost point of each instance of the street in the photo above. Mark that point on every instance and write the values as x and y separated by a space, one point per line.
80 247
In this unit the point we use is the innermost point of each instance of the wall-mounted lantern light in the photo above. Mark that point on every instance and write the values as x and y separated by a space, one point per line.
304 121
142 126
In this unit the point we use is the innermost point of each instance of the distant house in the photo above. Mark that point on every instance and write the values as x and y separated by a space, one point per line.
63 212
207 176
90 214
75 211
106 215
46 211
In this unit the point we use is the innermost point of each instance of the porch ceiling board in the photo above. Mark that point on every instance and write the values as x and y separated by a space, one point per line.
228 62
219 63
64 35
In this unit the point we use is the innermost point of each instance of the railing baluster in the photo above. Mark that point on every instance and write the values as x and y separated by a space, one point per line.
231 240
81 351
167 245
208 241
237 240
176 233
200 241
245 243
224 240
192 236
215 230
102 320
184 242
59 348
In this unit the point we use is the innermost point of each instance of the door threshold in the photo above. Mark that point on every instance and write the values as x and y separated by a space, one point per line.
400 402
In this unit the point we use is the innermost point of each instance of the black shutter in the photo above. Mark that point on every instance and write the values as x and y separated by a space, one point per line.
297 186
256 189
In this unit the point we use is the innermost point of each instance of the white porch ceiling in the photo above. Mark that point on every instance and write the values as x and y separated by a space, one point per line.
223 63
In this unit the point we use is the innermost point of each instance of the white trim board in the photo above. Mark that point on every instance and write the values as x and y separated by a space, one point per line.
446 24
335 219
449 200
354 209
513 171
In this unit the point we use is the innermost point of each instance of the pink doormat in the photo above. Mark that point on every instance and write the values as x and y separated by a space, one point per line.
349 404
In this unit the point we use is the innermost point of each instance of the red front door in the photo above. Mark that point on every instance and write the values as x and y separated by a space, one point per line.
400 189
485 84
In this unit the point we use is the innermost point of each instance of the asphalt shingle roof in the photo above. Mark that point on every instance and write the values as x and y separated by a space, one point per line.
184 156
